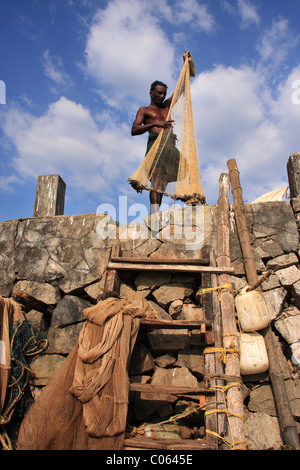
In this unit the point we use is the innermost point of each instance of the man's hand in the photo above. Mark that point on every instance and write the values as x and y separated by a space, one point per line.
163 124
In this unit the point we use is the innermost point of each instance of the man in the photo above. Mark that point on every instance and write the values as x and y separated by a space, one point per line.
153 119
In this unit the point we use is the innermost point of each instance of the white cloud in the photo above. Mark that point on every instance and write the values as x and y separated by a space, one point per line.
193 13
248 13
54 69
245 12
126 51
276 43
127 47
237 117
66 140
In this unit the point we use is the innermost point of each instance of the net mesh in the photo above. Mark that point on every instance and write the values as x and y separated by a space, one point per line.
84 406
171 165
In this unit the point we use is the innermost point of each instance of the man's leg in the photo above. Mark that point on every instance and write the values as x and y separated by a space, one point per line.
155 201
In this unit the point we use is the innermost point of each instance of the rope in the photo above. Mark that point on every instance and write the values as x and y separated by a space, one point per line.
227 378
5 441
239 445
223 352
217 289
140 430
23 342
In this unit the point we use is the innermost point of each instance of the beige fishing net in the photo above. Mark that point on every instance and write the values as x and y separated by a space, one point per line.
84 406
171 166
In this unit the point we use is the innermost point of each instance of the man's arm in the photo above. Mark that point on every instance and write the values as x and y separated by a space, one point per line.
168 101
138 126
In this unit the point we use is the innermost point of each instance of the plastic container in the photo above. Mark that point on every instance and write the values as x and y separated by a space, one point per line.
252 310
253 354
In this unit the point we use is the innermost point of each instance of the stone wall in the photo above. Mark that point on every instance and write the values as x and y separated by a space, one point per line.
59 261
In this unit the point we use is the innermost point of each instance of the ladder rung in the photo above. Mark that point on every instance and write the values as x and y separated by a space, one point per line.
127 259
138 387
176 324
183 268
166 444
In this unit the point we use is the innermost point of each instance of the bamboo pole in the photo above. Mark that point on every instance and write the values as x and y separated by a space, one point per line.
235 399
285 416
219 367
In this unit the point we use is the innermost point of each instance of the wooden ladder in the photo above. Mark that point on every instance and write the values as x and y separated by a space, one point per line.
210 335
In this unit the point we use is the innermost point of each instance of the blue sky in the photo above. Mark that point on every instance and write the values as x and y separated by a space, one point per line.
76 71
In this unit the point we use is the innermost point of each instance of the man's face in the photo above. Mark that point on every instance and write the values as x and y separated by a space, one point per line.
158 95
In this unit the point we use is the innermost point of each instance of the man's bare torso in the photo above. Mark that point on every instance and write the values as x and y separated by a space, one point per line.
154 114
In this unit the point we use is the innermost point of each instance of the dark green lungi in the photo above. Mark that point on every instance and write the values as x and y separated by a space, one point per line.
167 156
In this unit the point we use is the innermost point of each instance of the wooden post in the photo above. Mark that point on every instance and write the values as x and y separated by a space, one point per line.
219 368
50 196
235 399
285 416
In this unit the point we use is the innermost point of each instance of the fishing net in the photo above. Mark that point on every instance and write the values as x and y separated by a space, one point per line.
18 342
84 406
171 165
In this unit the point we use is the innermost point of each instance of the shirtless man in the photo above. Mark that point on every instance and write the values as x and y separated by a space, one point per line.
152 119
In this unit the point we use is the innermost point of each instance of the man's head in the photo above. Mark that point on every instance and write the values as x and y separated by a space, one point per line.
158 91
157 82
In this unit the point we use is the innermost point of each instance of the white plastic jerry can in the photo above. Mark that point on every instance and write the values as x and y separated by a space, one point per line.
253 354
252 310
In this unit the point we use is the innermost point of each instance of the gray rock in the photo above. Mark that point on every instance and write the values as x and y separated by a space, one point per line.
261 400
168 340
159 310
175 307
255 432
166 294
44 367
68 311
62 340
283 261
7 256
147 279
288 276
37 321
276 220
141 360
191 312
165 360
193 360
177 377
275 299
40 290
288 325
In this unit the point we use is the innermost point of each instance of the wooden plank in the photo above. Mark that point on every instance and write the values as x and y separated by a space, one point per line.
168 267
235 396
32 303
166 444
219 368
149 388
175 324
112 282
127 259
211 421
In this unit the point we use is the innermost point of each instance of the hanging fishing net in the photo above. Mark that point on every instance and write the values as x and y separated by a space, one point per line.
171 165
18 341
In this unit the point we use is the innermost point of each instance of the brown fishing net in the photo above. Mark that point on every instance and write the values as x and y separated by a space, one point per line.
171 165
84 406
